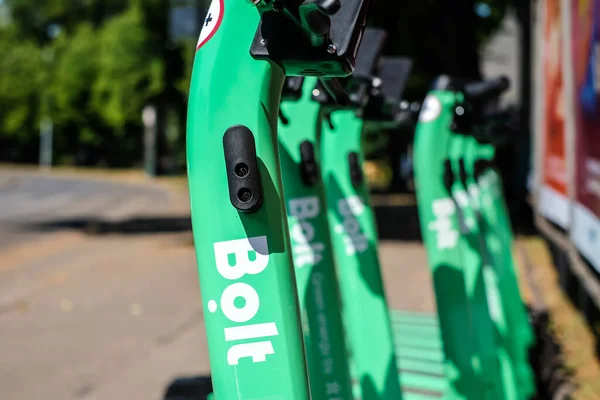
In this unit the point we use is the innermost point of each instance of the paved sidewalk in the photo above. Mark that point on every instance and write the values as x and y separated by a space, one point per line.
109 308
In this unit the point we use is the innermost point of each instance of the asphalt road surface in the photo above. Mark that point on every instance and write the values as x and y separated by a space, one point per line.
31 203
98 289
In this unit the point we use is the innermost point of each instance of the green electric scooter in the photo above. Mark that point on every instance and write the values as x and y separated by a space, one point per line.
477 134
316 276
471 282
355 245
301 134
299 137
354 236
239 217
479 178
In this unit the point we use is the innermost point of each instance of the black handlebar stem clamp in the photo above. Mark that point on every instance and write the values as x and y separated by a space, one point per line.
385 108
353 92
479 103
310 37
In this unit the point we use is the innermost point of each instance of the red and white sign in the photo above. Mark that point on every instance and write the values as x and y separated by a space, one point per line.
585 39
553 196
212 22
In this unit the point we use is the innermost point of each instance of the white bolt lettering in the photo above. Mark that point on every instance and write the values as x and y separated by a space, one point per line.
249 309
447 237
258 351
305 208
354 239
250 256
302 232
241 249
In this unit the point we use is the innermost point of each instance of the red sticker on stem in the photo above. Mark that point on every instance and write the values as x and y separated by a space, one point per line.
212 22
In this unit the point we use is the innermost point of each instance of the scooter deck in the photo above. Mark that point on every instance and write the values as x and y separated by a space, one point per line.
420 356
420 359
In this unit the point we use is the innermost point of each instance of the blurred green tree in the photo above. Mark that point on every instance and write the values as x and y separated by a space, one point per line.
21 75
67 91
39 19
75 70
106 59
130 73
92 65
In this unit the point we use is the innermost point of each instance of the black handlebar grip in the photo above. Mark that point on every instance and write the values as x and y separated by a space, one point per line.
394 73
369 52
477 91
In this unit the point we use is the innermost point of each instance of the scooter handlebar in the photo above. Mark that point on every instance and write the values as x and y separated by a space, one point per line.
369 53
484 90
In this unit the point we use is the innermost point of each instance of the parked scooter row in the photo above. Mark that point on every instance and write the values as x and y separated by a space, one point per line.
468 238
285 234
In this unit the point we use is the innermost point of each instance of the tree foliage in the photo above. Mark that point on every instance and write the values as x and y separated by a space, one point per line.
92 65
21 75
73 73
129 74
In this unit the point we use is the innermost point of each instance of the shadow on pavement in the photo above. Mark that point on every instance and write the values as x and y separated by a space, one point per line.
133 226
394 222
401 222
